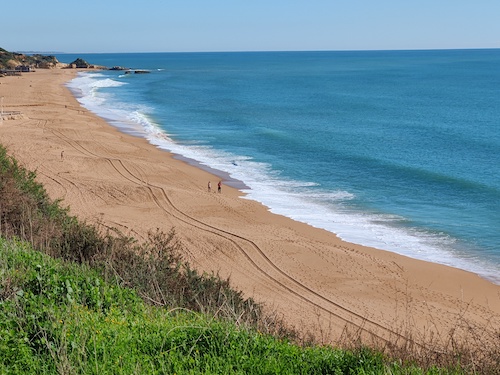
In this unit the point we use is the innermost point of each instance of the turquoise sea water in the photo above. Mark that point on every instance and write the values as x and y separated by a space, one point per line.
399 150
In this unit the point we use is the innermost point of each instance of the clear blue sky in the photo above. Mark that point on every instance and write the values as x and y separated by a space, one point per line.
247 25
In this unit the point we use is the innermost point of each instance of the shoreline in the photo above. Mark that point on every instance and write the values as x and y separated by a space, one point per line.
311 277
356 224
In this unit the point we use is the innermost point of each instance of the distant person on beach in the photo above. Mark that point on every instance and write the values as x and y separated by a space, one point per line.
219 185
62 155
209 187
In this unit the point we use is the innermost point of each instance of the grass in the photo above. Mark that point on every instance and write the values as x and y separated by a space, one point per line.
154 268
93 301
59 317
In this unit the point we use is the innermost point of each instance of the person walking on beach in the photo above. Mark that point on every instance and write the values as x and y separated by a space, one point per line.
62 155
219 185
209 187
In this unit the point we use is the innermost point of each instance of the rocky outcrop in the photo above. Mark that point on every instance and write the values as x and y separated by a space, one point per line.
118 68
26 63
13 60
80 64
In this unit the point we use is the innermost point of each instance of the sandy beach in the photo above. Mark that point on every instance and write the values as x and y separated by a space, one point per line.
315 281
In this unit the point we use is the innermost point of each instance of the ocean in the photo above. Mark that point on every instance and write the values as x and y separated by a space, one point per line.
399 150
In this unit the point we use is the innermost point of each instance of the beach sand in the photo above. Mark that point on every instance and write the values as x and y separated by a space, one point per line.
311 278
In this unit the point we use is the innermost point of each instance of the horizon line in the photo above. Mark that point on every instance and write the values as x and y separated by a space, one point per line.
267 51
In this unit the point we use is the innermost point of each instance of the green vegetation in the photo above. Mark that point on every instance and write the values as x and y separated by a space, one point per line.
101 303
10 60
63 317
154 269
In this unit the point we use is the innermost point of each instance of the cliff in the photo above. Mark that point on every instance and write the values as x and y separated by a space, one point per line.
14 60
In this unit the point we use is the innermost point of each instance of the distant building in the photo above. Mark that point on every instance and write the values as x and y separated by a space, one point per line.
23 68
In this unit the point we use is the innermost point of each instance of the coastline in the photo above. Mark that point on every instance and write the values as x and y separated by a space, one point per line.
316 281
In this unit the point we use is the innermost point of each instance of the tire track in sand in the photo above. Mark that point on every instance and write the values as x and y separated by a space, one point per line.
251 252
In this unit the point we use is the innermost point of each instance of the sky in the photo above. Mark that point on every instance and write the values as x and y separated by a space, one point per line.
97 26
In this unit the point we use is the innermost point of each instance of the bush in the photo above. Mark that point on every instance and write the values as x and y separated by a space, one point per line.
60 317
154 268
35 300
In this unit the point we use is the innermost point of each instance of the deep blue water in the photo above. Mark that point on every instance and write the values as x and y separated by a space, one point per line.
398 150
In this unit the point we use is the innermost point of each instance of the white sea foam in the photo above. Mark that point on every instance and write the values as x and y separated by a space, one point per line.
87 90
326 209
303 201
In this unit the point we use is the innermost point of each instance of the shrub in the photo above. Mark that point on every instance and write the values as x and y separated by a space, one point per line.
154 268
